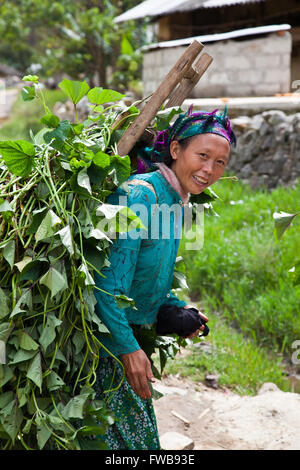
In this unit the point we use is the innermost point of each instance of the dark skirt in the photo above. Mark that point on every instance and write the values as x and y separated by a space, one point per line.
135 425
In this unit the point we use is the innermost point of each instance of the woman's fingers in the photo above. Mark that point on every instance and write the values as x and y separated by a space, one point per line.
138 372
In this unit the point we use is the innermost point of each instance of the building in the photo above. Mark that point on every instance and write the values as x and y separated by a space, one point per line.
255 43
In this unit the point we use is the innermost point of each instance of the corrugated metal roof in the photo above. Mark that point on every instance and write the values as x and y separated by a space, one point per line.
220 37
163 7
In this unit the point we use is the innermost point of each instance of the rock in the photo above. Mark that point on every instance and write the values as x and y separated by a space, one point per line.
268 387
176 441
169 390
211 380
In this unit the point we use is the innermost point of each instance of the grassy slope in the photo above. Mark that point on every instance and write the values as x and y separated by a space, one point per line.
241 279
26 116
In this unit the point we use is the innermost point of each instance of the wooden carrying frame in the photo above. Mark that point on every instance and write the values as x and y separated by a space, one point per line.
175 88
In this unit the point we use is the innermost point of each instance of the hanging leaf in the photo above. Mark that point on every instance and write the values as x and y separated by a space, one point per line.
282 221
4 309
26 342
84 181
47 225
34 372
18 156
66 238
54 281
9 252
28 93
54 382
74 90
48 333
11 418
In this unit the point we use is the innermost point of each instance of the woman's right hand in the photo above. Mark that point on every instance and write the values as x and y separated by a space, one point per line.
138 372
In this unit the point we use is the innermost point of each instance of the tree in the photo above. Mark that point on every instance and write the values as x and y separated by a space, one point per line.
77 37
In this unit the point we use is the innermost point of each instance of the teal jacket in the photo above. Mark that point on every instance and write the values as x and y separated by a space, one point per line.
142 263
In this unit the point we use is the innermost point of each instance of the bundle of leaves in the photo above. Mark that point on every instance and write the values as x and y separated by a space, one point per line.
53 208
52 202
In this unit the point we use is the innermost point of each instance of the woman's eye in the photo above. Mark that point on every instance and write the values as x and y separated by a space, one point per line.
203 155
221 162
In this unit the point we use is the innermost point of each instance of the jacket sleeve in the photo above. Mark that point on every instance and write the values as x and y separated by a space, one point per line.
118 280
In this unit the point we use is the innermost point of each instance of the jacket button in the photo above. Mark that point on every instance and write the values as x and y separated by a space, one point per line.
168 295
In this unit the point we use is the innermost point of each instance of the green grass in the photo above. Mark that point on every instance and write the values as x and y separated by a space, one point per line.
241 279
25 116
241 364
241 272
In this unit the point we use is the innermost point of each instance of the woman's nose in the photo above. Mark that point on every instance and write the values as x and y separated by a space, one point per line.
208 167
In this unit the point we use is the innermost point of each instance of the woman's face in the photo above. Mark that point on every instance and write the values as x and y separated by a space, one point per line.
201 162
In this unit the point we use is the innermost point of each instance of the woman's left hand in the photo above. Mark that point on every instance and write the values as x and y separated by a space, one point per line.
204 317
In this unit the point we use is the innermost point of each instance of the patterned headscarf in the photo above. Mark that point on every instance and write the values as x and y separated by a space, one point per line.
186 125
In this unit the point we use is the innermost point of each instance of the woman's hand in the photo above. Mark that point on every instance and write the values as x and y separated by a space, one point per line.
138 371
204 317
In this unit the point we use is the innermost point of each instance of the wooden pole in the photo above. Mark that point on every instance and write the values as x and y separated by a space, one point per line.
174 76
189 80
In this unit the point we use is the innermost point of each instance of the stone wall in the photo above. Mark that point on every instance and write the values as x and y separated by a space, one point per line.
268 149
259 66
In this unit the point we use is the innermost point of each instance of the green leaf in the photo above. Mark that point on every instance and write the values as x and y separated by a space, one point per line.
66 238
54 382
74 90
54 281
123 301
47 225
48 334
25 299
6 374
11 419
26 342
34 269
50 120
34 372
101 159
2 352
18 156
74 408
58 136
4 309
31 78
5 207
84 181
21 356
28 93
22 264
120 169
282 222
9 252
43 433
99 95
88 279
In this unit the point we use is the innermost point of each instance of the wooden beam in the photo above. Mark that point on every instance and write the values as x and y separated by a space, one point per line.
177 72
189 80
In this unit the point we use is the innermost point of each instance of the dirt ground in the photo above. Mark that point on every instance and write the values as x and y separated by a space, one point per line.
217 419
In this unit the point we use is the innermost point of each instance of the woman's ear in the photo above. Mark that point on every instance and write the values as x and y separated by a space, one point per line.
174 149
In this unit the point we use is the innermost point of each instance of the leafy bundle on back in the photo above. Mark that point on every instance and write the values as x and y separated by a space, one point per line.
52 203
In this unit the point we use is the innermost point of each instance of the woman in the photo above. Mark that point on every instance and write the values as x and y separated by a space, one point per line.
190 156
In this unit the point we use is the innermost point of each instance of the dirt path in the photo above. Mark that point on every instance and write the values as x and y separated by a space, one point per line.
219 419
7 99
